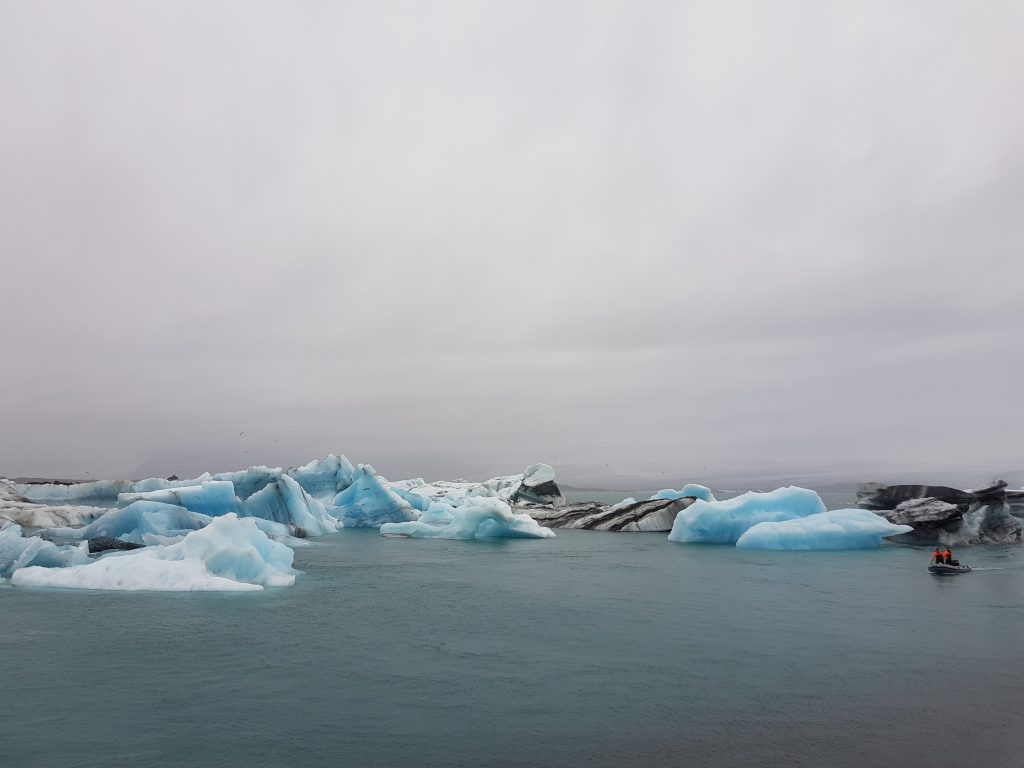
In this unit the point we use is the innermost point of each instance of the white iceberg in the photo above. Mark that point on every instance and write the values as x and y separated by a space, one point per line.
229 554
479 517
723 522
16 508
836 529
535 485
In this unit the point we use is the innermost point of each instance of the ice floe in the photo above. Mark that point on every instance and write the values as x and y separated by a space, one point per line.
229 554
723 522
479 517
835 529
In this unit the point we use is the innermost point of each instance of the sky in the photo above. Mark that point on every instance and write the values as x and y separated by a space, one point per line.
677 240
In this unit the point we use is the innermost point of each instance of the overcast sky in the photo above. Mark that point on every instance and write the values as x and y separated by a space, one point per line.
457 237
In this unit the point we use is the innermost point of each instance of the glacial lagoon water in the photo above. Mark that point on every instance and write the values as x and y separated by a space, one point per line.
590 649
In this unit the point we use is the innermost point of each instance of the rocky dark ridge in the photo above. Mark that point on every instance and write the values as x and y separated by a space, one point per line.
106 544
654 515
988 515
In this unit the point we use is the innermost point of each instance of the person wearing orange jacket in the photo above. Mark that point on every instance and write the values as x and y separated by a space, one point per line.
937 556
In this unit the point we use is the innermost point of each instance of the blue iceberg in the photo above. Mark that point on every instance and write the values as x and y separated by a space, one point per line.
369 503
836 529
142 522
18 551
723 522
478 517
229 554
281 501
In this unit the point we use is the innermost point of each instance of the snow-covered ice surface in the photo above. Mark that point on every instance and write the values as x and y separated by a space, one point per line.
229 554
835 529
479 517
723 522
16 508
536 484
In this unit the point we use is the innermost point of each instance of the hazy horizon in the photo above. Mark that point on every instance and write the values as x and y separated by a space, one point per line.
685 240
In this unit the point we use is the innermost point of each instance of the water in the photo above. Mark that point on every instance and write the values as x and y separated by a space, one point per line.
591 649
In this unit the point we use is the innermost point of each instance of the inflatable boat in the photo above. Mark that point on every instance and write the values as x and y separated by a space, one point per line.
942 568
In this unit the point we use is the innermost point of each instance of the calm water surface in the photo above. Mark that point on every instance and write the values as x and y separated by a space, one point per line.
591 649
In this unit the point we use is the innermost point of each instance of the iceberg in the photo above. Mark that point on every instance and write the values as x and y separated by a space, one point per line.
322 479
141 522
535 486
285 501
723 522
211 497
835 529
281 501
479 517
18 551
688 491
369 502
15 508
229 554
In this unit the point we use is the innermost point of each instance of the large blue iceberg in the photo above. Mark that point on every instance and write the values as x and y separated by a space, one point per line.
478 517
836 529
229 554
723 522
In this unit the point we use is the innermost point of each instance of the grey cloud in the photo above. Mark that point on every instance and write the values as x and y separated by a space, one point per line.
701 237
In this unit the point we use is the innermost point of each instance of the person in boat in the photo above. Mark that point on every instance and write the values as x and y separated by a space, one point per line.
937 556
947 556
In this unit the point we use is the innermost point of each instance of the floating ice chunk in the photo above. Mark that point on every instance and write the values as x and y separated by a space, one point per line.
324 478
536 485
539 486
723 522
628 501
538 474
285 501
416 501
141 522
230 554
18 551
212 497
688 491
478 517
836 529
368 502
